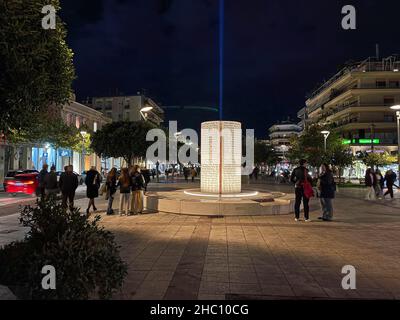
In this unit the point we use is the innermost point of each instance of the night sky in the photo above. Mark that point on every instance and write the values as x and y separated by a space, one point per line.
276 51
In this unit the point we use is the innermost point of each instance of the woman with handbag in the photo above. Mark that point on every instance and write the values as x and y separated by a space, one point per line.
326 187
111 188
92 181
303 190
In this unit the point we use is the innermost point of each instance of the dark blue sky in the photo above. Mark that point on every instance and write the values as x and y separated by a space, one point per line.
276 51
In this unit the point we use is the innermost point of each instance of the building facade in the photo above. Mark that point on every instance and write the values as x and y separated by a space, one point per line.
280 135
356 103
33 155
129 108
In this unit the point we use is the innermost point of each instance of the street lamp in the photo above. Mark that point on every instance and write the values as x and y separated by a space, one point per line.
144 110
326 134
397 109
83 134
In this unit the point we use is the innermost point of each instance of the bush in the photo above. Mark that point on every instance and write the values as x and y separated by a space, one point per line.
84 255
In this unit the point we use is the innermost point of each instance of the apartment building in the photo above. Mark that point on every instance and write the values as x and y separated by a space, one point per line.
280 135
129 108
356 102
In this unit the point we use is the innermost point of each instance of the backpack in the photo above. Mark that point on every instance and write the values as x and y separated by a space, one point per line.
307 187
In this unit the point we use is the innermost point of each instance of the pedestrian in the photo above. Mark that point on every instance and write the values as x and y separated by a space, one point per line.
124 184
68 184
302 181
370 182
186 173
326 187
111 185
193 173
166 174
51 183
42 180
256 171
146 176
92 181
390 178
137 184
380 182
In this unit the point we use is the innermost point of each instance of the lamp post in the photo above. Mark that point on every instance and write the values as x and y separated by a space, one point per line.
144 111
83 134
326 134
397 109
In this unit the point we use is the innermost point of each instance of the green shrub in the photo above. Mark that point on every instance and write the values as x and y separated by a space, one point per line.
85 256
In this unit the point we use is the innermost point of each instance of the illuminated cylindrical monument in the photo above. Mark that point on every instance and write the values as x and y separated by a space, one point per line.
221 156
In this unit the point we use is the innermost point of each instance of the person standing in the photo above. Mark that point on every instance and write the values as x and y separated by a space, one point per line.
326 186
300 177
124 184
42 180
137 183
146 176
193 173
370 182
111 184
390 178
92 181
68 184
380 181
51 183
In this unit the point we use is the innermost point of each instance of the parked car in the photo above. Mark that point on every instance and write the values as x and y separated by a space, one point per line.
12 173
22 182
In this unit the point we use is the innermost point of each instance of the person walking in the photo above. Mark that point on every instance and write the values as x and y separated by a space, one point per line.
124 184
137 184
370 182
380 182
68 184
390 178
326 187
302 182
92 181
111 185
51 183
42 180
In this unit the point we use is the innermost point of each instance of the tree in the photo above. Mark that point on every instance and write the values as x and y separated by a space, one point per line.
378 159
122 139
49 128
310 146
264 153
35 64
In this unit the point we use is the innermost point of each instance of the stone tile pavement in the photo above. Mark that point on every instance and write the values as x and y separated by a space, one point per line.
187 257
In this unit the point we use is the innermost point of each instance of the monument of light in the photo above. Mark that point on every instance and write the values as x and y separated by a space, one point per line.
221 155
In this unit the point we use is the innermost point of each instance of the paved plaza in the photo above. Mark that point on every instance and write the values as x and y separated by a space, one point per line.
272 257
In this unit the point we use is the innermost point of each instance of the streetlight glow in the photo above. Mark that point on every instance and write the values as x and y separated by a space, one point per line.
396 107
146 109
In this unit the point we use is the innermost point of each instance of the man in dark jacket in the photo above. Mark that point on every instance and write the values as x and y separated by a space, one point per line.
390 178
42 180
298 177
68 184
327 187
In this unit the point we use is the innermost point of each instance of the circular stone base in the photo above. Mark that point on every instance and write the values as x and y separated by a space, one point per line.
193 202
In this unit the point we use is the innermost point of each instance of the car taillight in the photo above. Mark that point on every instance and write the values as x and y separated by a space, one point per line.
29 182
10 182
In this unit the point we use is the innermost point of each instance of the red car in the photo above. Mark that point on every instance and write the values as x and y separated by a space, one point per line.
22 183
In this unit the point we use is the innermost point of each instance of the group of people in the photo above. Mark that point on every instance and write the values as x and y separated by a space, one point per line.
131 183
326 188
375 183
192 172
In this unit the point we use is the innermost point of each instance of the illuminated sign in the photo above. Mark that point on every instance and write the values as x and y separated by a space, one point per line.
360 141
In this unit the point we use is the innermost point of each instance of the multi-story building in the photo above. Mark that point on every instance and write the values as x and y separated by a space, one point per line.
33 156
356 102
129 108
280 135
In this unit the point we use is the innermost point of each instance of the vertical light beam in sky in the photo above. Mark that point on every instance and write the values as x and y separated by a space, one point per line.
221 58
